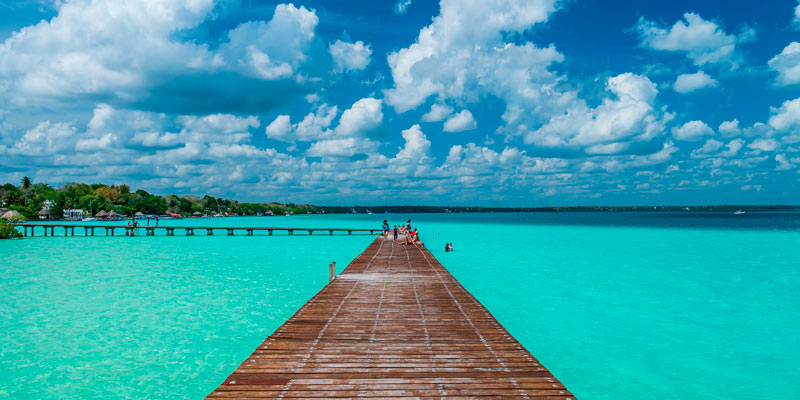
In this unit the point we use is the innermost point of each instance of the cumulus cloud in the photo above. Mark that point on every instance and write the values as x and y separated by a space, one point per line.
350 56
692 131
126 52
733 147
437 113
630 115
341 147
363 116
47 138
469 40
710 146
313 126
687 83
703 41
764 144
401 6
271 50
729 128
462 121
786 118
787 65
413 158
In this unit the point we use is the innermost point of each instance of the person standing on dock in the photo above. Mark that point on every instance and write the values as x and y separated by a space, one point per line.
395 232
385 229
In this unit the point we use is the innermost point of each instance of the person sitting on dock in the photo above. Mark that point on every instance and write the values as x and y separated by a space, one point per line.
415 239
411 237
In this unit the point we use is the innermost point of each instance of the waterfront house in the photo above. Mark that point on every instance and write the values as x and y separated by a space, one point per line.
113 216
73 214
102 215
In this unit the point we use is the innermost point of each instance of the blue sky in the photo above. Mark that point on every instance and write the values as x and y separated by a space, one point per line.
493 102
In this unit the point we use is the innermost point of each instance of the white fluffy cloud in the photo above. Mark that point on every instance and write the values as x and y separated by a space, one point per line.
629 115
413 158
350 56
703 41
274 49
280 128
687 83
692 131
314 125
764 144
786 118
437 113
363 116
126 52
787 65
729 128
469 40
341 147
462 121
47 138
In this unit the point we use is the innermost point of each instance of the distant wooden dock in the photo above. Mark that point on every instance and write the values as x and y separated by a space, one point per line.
111 230
394 324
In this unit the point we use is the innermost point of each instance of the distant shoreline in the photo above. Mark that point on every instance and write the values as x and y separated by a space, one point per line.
435 209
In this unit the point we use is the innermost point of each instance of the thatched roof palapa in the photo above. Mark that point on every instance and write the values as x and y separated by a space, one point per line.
138 213
112 213
12 215
102 213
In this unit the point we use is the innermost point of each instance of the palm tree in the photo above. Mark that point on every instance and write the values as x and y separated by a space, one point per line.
26 186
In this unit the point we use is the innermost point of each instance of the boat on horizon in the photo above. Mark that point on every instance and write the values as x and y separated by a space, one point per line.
739 212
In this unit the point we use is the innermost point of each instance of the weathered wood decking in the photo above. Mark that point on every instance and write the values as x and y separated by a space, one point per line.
394 324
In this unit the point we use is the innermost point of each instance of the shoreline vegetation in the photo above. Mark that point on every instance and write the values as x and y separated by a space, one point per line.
36 201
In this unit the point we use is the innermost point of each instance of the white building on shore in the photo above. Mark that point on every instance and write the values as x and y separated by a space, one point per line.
73 214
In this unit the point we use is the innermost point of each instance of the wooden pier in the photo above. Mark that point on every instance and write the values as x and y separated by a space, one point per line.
394 324
111 230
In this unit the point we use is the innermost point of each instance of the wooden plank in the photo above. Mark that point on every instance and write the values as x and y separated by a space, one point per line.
395 324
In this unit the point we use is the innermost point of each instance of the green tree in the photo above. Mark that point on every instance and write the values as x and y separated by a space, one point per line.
26 186
7 231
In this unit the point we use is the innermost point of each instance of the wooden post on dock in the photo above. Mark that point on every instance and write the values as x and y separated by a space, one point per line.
331 271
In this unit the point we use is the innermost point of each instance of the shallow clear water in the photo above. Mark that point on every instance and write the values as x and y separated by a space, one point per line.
616 305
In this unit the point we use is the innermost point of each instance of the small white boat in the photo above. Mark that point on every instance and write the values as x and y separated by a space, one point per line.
738 212
89 219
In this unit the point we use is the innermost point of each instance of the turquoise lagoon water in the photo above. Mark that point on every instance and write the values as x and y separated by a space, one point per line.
616 305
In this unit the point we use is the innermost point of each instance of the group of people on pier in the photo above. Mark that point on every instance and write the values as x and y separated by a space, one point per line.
410 235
